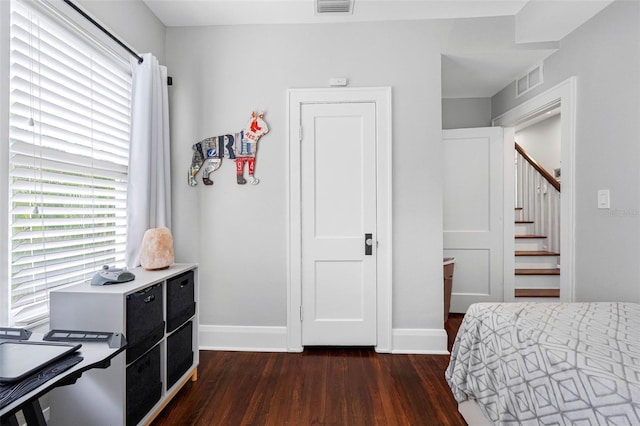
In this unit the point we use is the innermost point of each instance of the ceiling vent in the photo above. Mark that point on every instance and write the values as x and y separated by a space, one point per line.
334 6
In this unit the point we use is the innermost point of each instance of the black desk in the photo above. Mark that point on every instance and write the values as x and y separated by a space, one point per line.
94 354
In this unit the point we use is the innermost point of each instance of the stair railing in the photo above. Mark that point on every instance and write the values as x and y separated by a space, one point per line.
538 193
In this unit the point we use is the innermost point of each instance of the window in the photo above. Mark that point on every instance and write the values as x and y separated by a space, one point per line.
69 151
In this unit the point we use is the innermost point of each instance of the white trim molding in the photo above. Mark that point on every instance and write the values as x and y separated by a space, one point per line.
381 96
419 341
242 338
564 95
275 339
508 185
5 24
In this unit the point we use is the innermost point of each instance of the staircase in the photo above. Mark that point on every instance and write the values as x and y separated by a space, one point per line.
537 272
537 230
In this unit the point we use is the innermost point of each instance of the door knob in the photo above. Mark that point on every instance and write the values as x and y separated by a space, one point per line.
368 244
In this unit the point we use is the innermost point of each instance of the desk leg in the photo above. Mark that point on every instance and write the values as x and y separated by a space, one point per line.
33 413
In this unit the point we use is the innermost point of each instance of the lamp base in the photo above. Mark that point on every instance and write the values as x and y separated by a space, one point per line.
157 249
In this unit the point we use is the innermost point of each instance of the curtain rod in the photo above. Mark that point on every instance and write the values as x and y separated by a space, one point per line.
104 30
111 36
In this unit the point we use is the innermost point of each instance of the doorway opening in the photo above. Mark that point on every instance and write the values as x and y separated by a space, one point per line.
537 207
560 99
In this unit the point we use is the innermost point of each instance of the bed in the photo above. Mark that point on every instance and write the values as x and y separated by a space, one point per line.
548 363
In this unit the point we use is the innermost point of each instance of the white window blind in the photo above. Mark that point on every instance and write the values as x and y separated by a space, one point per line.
69 148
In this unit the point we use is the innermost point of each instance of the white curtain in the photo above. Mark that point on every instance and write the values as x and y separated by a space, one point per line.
149 187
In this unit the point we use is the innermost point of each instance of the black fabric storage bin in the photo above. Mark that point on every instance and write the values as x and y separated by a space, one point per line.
145 323
144 386
181 303
134 351
179 353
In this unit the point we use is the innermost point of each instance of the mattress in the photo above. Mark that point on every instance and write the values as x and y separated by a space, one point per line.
549 363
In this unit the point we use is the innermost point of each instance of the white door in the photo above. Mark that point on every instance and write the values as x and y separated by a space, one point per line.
338 205
473 216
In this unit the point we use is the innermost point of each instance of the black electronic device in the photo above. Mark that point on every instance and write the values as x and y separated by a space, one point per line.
20 359
114 340
112 276
14 333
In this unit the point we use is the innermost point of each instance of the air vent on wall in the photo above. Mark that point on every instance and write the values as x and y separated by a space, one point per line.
528 81
334 6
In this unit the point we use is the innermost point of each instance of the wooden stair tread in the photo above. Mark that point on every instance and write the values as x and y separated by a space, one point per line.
531 236
523 221
523 271
535 253
518 208
537 292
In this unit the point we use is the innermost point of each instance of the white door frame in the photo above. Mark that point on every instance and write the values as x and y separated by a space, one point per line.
563 94
381 96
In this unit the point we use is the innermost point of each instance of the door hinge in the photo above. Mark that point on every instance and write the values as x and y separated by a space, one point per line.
300 313
300 133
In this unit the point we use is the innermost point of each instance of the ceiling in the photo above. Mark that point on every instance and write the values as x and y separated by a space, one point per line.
488 43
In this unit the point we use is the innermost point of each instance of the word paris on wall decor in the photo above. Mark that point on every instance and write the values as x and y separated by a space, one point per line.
241 147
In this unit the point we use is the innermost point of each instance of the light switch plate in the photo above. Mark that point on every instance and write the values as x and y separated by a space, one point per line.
603 199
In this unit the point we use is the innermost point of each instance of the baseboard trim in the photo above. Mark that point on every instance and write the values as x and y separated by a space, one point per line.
274 339
425 341
243 338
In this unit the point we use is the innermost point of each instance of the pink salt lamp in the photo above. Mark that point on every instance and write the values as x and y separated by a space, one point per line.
157 249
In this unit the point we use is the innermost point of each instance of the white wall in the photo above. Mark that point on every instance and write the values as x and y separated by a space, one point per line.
604 55
461 113
542 141
238 233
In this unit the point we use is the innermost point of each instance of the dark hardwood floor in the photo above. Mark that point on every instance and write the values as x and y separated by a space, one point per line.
320 386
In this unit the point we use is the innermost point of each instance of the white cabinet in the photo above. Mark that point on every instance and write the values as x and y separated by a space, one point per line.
157 313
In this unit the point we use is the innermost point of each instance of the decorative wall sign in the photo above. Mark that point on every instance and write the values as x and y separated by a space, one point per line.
241 147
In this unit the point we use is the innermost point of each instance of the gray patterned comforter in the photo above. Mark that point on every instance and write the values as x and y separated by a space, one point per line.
550 363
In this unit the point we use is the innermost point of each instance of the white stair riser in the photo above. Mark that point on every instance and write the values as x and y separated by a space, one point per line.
518 215
537 281
530 244
523 228
537 262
